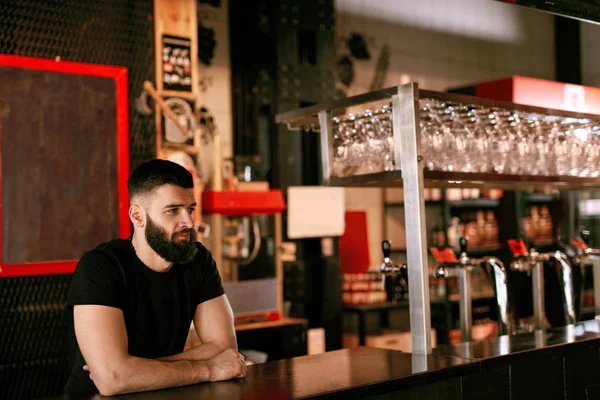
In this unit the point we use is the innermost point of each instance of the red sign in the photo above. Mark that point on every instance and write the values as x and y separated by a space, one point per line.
579 244
443 255
542 93
517 247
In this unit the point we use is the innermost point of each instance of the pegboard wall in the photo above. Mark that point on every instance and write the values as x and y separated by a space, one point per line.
283 58
116 32
33 352
296 69
33 336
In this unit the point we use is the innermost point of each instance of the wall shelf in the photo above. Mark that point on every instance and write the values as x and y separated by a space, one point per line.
540 198
475 203
444 179
401 204
478 252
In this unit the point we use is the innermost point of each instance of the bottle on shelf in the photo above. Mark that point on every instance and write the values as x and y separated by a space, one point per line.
496 194
545 225
535 224
481 228
436 194
438 239
491 229
454 233
454 194
472 233
527 228
427 194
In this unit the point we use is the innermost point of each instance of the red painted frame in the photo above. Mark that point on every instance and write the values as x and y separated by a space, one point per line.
119 74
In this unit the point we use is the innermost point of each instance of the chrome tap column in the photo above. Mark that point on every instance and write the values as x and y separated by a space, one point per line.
497 273
532 262
592 255
564 270
394 276
462 271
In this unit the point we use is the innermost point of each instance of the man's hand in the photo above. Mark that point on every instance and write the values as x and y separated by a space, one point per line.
227 365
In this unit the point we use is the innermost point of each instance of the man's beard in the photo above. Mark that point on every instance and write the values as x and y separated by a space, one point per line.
172 250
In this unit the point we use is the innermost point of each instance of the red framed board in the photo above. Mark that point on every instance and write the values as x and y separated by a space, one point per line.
64 162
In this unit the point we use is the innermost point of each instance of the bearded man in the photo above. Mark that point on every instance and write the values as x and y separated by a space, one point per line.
131 301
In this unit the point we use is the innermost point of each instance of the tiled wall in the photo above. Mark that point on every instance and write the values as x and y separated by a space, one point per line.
441 44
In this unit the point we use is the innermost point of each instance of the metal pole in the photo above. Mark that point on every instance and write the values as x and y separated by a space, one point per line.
407 147
540 338
419 363
326 127
596 267
464 303
538 295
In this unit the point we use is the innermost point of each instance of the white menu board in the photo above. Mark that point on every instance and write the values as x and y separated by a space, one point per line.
315 211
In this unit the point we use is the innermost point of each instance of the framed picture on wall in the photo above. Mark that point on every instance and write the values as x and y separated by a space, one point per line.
64 151
176 63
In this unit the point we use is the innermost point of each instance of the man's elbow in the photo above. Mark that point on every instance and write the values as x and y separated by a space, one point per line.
107 390
110 382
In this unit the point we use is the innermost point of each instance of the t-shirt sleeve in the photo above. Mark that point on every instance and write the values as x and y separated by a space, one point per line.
210 282
97 280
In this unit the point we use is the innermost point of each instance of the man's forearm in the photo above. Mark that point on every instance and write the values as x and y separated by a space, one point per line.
141 374
205 351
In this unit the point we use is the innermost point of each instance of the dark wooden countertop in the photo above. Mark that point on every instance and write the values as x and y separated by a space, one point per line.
352 373
501 349
270 324
335 374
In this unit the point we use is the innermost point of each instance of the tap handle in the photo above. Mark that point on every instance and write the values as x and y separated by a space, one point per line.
530 244
585 236
404 272
463 241
386 247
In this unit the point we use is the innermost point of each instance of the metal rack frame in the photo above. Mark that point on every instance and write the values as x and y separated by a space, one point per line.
411 175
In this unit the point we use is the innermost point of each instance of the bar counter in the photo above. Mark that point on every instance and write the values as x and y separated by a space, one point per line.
562 363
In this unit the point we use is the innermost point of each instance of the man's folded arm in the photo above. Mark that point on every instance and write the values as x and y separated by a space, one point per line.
102 338
213 323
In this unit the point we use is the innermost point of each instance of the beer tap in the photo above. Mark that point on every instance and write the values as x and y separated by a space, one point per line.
591 255
532 262
461 269
393 274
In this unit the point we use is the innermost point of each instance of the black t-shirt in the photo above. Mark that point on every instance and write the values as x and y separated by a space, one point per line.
158 307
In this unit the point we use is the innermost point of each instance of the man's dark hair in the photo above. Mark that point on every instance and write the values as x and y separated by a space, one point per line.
153 174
